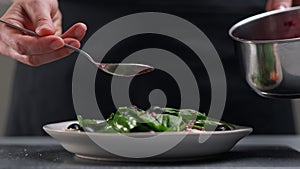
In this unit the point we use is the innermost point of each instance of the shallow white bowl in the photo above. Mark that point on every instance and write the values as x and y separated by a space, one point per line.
191 147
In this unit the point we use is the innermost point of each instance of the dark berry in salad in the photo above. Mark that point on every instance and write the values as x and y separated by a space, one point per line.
75 127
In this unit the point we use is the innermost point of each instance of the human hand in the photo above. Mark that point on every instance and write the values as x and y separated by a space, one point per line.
281 4
43 17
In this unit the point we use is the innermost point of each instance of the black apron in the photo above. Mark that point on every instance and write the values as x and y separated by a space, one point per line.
43 95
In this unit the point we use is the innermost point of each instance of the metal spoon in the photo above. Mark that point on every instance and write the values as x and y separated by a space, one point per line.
117 69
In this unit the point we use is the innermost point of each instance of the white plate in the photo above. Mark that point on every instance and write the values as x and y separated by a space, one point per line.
192 146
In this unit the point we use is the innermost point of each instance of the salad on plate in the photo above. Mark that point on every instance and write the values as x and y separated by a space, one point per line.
133 119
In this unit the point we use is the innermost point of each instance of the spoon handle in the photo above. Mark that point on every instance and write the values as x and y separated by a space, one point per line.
79 51
20 28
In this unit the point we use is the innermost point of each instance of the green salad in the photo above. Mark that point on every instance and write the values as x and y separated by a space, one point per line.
132 119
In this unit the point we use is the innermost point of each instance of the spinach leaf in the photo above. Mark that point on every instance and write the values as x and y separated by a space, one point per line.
126 120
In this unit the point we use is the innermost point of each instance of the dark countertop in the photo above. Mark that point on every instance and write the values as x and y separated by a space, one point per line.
252 151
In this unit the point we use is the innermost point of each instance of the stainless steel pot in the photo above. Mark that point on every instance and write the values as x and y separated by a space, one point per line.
269 47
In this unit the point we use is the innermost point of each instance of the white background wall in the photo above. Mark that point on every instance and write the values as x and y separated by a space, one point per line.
296 104
6 73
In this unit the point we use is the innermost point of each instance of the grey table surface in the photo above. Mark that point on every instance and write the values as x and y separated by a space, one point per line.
259 151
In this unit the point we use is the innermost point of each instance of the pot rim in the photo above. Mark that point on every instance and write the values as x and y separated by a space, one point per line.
257 17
